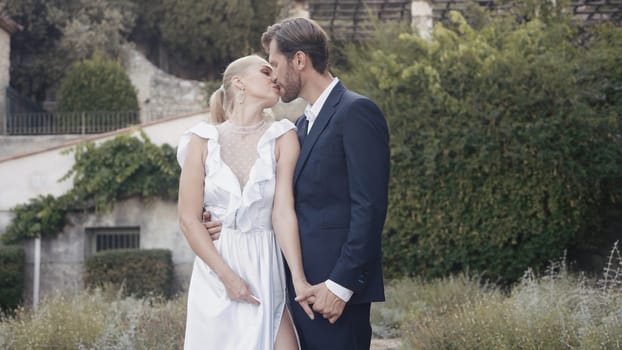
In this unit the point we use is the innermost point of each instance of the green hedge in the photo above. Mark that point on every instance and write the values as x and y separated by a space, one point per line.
140 272
97 85
12 263
505 141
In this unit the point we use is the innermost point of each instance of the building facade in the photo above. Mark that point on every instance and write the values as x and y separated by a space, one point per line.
7 27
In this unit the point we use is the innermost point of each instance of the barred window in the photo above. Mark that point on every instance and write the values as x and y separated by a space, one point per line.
106 238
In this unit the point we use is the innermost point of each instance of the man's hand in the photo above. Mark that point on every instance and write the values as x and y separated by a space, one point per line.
324 301
213 227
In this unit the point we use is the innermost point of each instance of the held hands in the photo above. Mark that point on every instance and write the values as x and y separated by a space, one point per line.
301 287
323 300
213 227
238 290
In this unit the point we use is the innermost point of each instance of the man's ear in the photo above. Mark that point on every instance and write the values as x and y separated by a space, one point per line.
300 60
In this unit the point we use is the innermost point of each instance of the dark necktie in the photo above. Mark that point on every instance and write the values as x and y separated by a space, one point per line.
302 130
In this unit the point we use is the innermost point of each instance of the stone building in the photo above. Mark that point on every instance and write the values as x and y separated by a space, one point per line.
7 27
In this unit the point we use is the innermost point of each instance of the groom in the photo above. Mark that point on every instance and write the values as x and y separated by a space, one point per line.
340 186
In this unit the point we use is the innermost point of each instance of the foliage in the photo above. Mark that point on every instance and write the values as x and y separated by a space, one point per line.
505 141
95 27
58 33
265 13
12 263
193 31
139 272
117 169
122 168
97 85
43 216
90 90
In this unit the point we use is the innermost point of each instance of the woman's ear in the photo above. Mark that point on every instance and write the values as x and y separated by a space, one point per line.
237 82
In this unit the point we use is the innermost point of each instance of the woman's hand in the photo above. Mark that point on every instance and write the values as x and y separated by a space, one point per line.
301 286
238 290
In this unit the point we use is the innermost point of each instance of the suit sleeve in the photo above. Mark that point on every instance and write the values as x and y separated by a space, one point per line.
366 148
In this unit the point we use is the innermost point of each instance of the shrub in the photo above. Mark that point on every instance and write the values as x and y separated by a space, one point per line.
97 85
139 272
505 142
12 261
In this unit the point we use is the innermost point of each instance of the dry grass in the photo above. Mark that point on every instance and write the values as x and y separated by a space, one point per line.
96 320
555 311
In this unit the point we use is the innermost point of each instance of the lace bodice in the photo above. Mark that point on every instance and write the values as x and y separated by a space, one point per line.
238 147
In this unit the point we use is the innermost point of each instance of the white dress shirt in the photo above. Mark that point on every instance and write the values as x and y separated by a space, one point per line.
311 113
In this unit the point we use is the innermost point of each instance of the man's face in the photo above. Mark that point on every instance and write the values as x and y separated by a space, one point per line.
287 77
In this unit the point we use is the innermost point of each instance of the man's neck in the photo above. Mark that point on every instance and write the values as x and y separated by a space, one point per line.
314 85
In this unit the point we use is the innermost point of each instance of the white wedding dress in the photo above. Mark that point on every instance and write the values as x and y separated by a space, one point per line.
239 188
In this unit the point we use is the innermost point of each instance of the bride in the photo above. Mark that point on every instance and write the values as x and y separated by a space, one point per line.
239 168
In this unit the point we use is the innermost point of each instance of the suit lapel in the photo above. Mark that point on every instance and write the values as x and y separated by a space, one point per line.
326 113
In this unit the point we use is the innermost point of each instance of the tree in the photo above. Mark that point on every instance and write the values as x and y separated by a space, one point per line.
58 33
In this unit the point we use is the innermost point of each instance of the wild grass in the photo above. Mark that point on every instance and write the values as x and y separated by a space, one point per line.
558 310
96 319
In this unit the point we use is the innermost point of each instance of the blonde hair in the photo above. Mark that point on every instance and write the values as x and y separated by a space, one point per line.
222 100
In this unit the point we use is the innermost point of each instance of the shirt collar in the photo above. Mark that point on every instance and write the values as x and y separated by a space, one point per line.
312 111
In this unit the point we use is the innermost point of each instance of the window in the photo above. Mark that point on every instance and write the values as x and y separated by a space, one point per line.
106 238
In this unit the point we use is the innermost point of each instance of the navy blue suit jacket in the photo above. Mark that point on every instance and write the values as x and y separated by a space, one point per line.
340 187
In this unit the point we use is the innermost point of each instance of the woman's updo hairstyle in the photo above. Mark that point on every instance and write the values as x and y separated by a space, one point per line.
222 100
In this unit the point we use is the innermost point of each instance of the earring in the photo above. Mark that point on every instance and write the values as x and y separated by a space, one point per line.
240 97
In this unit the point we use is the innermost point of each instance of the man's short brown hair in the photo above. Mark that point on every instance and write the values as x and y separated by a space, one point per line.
299 34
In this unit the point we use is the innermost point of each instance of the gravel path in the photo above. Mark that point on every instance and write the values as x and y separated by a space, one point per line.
385 344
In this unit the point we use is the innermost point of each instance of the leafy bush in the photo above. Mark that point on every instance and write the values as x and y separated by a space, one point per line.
139 272
505 141
97 85
12 261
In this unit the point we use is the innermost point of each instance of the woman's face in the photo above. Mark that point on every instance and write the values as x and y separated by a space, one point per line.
260 83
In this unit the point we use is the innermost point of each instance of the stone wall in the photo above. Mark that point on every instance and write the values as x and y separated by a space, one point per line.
5 49
160 94
63 258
